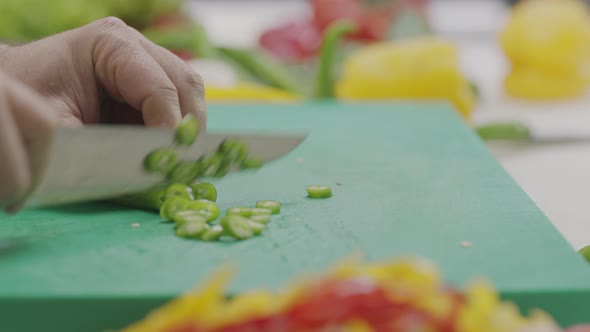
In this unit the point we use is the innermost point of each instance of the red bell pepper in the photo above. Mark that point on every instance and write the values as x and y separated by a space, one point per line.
294 41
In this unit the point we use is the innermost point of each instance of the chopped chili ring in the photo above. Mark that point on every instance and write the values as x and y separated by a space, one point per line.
317 191
273 206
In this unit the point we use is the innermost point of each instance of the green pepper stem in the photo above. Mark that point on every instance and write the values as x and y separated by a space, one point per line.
194 39
513 131
324 85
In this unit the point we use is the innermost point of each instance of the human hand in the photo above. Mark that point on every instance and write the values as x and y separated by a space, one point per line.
26 129
108 72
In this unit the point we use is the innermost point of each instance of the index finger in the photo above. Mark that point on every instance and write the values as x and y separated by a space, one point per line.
129 73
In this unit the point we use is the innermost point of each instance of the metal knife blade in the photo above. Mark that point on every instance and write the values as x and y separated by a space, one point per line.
100 162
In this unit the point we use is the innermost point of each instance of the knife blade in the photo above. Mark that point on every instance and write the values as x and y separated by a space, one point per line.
102 161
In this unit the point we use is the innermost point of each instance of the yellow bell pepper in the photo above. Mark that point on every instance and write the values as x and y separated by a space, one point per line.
248 92
548 45
422 68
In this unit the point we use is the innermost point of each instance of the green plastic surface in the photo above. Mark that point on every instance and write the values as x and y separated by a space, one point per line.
415 181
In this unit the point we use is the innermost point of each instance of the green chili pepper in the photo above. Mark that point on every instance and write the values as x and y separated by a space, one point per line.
212 233
185 172
585 252
204 190
251 163
204 205
241 211
324 85
237 226
178 189
273 206
160 161
261 218
319 191
187 131
173 205
191 230
504 131
185 216
262 67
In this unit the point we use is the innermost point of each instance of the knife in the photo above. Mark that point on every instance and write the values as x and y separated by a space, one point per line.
516 131
105 161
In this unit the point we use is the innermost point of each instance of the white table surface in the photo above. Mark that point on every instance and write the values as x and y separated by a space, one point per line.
556 177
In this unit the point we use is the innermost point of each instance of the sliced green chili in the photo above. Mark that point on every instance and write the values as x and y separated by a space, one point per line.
317 191
261 218
178 189
234 151
237 226
204 190
185 172
185 216
260 211
256 227
191 230
160 161
211 165
273 206
241 211
212 233
252 163
171 206
187 131
204 205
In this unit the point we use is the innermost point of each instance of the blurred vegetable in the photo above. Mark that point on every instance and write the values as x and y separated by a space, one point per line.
421 68
27 20
292 42
249 92
262 67
186 38
405 295
324 80
373 18
504 131
548 44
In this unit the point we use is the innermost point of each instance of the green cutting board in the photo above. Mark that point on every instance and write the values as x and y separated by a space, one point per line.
414 181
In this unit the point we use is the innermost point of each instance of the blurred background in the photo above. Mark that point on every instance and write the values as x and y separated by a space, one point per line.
517 72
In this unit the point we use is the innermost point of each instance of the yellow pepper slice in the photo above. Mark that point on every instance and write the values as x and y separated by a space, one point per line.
248 92
422 68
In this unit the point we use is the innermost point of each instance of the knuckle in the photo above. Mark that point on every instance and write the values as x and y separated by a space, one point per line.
112 24
194 80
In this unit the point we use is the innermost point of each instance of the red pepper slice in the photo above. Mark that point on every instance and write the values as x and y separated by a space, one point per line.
292 42
373 20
